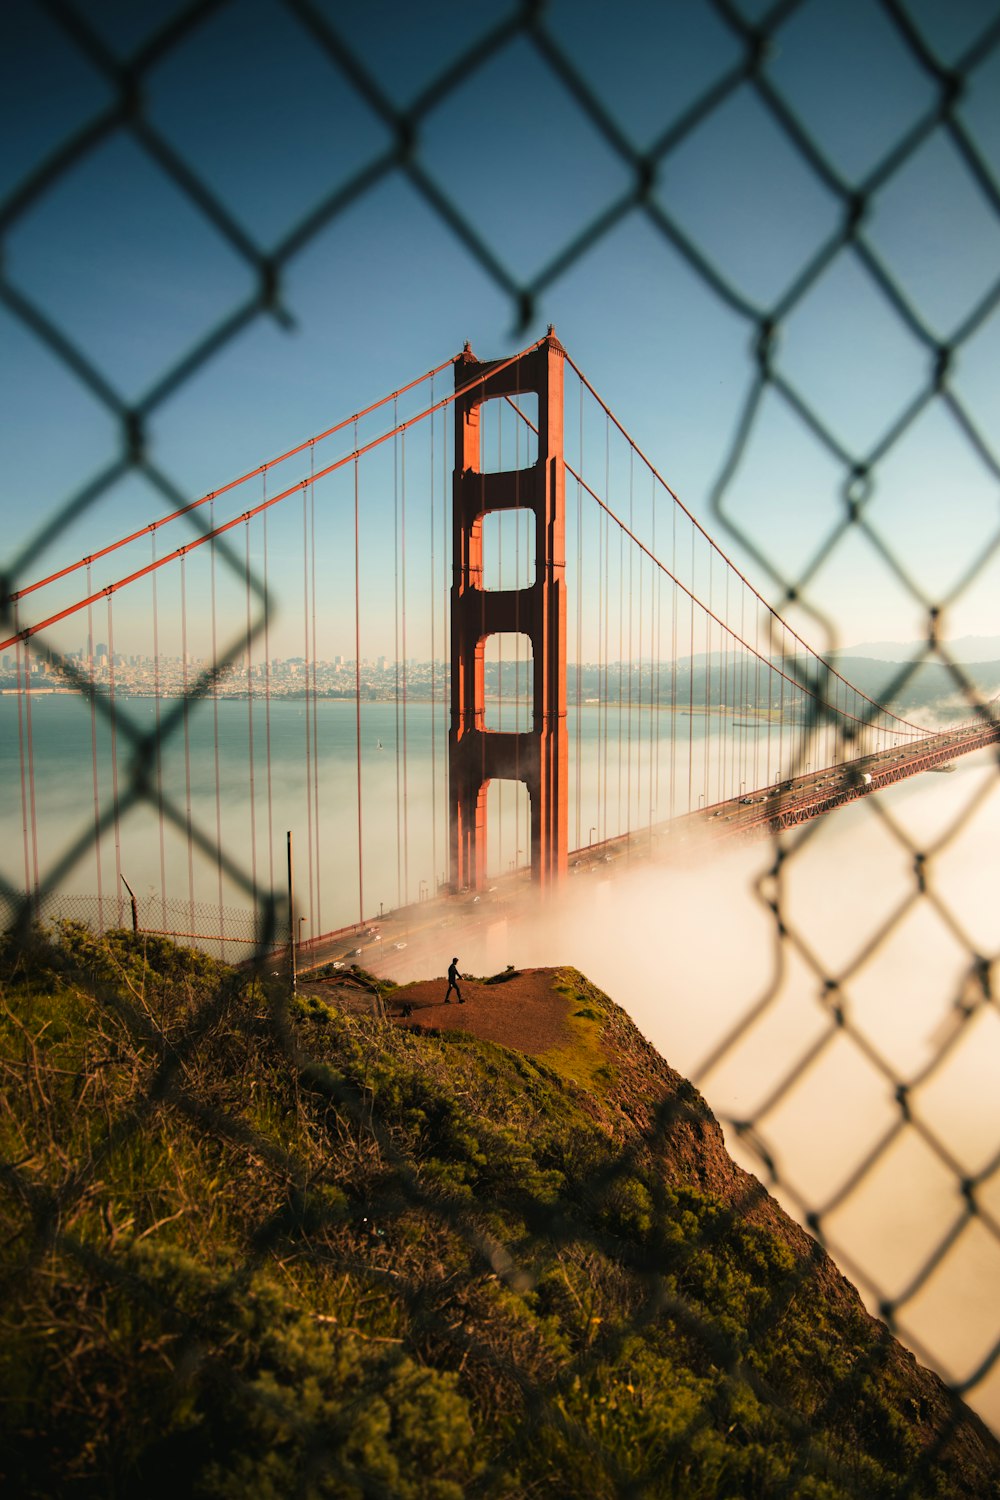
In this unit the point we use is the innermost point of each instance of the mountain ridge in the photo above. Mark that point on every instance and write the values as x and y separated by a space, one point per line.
965 649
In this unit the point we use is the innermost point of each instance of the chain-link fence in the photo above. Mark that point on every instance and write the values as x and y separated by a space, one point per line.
227 933
403 84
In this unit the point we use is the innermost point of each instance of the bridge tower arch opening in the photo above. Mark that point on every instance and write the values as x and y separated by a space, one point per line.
509 665
537 756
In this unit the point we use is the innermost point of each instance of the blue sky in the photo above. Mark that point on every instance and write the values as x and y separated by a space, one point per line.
134 275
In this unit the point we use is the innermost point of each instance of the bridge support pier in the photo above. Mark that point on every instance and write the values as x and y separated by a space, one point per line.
538 757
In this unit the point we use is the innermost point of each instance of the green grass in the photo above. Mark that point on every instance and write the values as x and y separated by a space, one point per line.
253 1248
583 1059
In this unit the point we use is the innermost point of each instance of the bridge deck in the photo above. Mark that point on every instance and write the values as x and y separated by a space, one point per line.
423 926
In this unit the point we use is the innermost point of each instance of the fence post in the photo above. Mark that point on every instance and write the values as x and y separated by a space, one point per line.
135 909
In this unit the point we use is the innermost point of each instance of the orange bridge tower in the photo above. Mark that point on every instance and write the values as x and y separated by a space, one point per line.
539 757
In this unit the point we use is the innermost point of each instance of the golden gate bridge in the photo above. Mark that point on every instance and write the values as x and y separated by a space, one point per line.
574 670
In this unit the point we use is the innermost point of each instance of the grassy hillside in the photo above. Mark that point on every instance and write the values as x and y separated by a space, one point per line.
253 1248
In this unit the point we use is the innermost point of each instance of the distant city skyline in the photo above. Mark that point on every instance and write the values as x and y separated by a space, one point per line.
725 680
967 650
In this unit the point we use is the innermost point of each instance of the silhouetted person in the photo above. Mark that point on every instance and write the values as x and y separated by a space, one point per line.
453 977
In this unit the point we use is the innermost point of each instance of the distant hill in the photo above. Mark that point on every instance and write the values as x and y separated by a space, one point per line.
965 649
929 685
256 1247
901 682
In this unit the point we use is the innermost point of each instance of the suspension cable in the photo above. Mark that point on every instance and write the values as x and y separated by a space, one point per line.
308 708
22 688
267 704
157 710
245 517
93 754
233 484
249 672
406 773
215 727
357 687
433 611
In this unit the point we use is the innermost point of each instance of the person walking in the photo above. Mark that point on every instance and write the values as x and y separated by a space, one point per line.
453 977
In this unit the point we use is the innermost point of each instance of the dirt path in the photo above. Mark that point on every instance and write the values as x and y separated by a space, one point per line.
524 1012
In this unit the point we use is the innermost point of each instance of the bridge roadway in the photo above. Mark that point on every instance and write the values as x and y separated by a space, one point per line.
426 929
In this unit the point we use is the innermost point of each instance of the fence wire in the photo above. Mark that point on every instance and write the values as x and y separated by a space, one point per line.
127 62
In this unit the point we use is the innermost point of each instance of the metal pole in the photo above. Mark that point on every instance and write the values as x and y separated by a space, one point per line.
135 909
291 918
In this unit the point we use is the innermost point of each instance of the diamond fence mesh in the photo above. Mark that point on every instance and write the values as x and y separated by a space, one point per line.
939 1178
